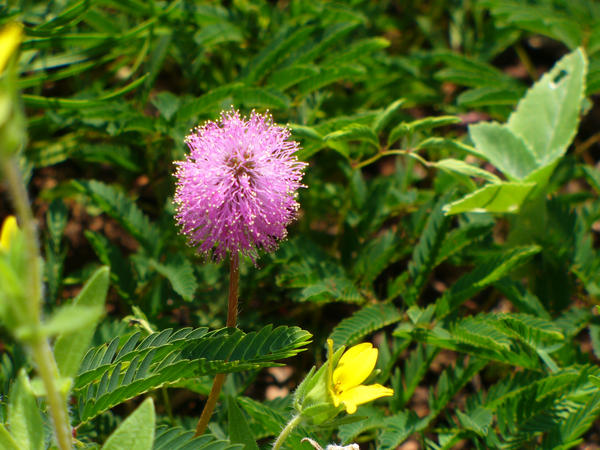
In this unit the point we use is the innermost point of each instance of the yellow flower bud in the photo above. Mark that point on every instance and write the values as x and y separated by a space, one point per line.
9 229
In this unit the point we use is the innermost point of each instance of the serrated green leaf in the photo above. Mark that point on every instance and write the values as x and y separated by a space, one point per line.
166 357
354 132
180 273
122 209
261 98
280 45
177 438
426 124
383 118
486 273
494 198
363 322
290 76
463 168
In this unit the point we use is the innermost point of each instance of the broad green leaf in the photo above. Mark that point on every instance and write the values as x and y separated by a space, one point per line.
70 318
7 442
136 432
69 348
24 418
547 117
503 149
459 166
493 198
239 431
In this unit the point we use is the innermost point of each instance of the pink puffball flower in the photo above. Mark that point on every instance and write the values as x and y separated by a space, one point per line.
236 190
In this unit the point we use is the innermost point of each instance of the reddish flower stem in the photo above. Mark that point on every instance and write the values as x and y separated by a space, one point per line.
211 401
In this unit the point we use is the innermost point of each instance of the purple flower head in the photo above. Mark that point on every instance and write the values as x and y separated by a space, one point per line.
236 190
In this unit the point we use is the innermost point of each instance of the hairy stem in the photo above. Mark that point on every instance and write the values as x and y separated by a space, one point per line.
286 431
40 348
211 401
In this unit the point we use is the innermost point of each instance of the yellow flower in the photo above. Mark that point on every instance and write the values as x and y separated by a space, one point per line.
9 229
354 367
10 37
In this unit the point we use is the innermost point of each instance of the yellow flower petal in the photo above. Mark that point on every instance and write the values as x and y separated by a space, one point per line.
362 394
9 229
354 367
10 37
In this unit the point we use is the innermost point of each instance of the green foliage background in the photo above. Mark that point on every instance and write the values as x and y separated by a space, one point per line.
487 317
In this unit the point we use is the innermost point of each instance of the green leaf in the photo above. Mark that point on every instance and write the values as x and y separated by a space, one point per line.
110 254
363 322
122 209
425 253
36 101
290 76
69 348
7 442
547 117
384 118
113 373
71 318
24 418
485 273
239 431
261 98
494 198
397 429
420 125
167 104
354 132
136 432
505 150
180 273
490 96
209 102
458 166
280 45
329 75
177 438
478 420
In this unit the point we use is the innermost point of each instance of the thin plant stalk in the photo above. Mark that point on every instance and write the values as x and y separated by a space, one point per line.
38 343
211 401
286 431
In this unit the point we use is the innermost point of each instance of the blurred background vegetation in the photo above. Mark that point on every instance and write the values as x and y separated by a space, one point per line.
110 89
